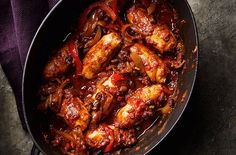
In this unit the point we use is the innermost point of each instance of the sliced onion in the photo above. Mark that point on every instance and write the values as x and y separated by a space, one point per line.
65 135
101 23
126 35
90 26
96 38
100 5
137 61
64 83
151 8
178 64
166 109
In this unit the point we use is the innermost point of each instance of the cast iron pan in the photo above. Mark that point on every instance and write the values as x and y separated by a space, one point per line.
50 34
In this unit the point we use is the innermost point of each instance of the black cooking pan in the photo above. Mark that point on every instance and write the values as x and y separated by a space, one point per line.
50 34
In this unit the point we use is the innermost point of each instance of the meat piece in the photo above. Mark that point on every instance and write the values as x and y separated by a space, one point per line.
140 20
108 137
102 105
162 39
153 65
103 98
74 113
160 36
140 106
100 54
58 63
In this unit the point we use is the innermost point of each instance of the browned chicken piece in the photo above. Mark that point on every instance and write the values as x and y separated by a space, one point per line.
153 65
103 98
74 113
108 137
162 39
140 105
140 20
100 54
72 141
58 63
102 102
160 36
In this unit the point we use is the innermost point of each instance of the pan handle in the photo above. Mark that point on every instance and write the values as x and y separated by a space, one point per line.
35 150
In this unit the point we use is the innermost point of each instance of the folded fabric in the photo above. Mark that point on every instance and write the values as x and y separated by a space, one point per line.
19 20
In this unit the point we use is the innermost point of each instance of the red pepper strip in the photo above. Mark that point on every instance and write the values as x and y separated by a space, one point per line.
114 6
115 9
116 78
123 31
145 2
136 102
74 53
110 145
100 5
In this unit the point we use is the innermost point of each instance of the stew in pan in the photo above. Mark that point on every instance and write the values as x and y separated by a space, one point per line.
112 76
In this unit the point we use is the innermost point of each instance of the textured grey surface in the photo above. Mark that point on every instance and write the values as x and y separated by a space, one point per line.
208 126
13 140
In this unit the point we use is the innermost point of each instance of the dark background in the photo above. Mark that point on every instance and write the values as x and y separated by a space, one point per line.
208 125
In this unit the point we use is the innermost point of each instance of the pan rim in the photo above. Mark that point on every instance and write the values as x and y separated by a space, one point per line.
193 82
24 71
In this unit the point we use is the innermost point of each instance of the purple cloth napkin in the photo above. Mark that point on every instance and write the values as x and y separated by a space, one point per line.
19 20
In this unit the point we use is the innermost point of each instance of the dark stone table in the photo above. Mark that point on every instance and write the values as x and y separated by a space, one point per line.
208 126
